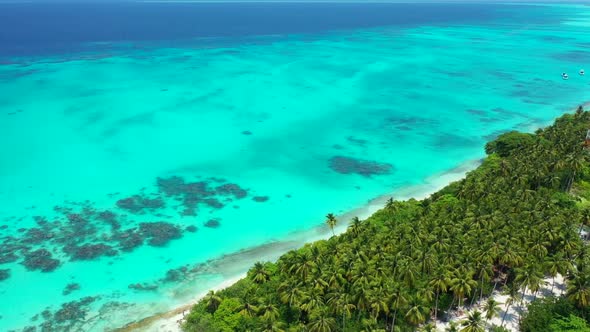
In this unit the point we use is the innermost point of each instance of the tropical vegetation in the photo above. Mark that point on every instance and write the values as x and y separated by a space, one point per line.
555 315
511 223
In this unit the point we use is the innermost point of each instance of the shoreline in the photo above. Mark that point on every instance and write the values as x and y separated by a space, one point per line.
169 321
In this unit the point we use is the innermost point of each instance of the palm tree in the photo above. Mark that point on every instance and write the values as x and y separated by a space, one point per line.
555 265
462 285
522 279
361 296
273 326
355 226
247 310
408 272
331 221
570 243
369 325
491 308
415 314
259 273
290 294
390 204
511 258
486 275
398 300
539 248
303 265
439 284
425 293
312 300
428 262
574 163
529 277
473 323
378 304
513 296
321 322
578 290
335 278
213 301
269 311
342 303
535 283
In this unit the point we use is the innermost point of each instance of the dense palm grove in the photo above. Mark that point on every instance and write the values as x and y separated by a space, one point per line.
508 225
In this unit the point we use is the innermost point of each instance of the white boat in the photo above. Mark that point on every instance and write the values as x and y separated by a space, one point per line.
582 72
565 76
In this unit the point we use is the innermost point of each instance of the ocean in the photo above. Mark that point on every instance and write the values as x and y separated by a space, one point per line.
150 151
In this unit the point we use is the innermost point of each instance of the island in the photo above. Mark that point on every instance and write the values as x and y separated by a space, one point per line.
509 230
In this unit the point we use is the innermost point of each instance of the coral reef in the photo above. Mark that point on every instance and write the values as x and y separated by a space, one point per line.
89 251
129 239
138 204
178 274
4 274
159 233
260 199
367 168
213 223
73 311
143 287
231 189
40 259
110 218
69 317
7 257
71 287
195 194
79 231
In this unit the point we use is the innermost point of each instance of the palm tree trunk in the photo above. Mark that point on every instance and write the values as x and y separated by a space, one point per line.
436 310
452 302
571 181
552 284
481 288
505 313
393 319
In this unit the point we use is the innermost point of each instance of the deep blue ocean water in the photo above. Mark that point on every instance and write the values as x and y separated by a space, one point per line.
41 28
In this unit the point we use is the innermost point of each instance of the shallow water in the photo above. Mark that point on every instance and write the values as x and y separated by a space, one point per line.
301 123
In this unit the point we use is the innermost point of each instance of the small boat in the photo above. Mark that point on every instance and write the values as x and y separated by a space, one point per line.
565 76
582 72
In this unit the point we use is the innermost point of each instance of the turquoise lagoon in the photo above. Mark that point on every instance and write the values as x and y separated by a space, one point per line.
300 124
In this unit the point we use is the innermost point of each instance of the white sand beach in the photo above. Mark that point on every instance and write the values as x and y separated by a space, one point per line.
170 321
511 314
